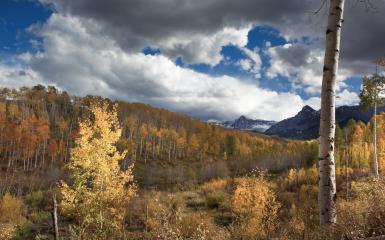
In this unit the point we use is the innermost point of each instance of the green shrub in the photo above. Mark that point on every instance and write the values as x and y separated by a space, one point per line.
35 199
24 230
39 216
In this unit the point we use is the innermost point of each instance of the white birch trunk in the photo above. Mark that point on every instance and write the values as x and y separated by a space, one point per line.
54 219
327 182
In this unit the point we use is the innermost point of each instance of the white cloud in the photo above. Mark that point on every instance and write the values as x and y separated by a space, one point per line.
200 48
245 64
137 24
346 97
302 65
16 76
252 63
314 102
195 30
80 59
256 61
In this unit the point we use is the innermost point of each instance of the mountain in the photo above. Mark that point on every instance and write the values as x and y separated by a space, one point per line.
305 124
301 126
245 124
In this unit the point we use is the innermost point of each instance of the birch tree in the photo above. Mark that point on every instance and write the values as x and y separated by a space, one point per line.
327 182
370 96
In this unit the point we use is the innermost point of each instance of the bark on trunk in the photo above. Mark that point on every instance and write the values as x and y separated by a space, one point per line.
327 183
54 219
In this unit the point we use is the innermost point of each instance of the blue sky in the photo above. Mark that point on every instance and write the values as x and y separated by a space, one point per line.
15 18
258 38
256 65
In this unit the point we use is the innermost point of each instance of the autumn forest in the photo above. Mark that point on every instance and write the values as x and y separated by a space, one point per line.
192 120
169 176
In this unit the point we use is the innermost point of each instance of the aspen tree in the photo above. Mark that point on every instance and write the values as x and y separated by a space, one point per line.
327 181
100 191
370 96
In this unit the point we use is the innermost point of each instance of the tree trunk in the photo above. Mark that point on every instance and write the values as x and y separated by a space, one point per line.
375 161
66 147
36 154
44 148
327 182
346 165
54 219
146 225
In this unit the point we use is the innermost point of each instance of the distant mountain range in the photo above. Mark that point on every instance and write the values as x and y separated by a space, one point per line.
245 124
304 125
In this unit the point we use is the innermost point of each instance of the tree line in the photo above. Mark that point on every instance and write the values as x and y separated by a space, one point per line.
40 124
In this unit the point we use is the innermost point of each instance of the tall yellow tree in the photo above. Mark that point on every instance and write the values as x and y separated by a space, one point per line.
98 196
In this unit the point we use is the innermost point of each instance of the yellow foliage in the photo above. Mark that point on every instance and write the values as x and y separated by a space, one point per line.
214 185
194 142
98 196
255 204
2 107
342 171
11 209
6 231
168 219
297 177
381 162
13 109
363 216
11 213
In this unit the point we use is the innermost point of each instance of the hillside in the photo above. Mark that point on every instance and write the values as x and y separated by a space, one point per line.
191 180
39 126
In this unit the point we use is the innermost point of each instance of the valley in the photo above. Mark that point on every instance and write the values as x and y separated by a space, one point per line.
189 174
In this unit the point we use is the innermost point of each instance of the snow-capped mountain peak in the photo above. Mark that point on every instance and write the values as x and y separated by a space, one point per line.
245 124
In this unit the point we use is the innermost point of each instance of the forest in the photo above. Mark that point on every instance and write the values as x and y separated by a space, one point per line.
116 120
121 170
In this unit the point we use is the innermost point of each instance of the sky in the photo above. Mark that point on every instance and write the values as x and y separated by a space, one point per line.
210 59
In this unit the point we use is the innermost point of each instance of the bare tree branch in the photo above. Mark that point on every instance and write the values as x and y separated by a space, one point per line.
320 7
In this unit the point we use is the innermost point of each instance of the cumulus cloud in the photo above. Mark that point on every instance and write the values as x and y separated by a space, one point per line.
201 48
194 30
252 63
302 65
16 76
314 102
347 97
344 97
254 60
94 47
78 58
245 64
172 24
